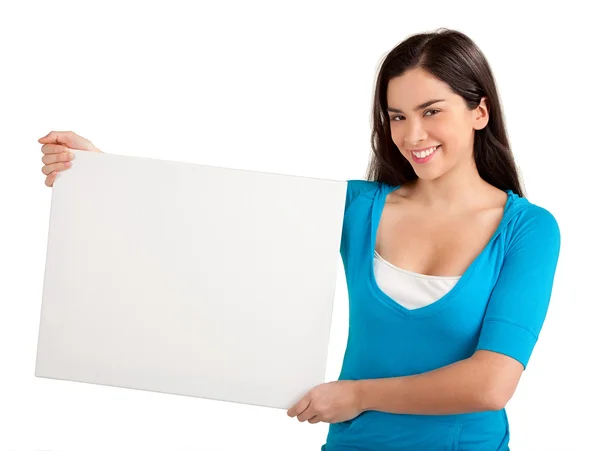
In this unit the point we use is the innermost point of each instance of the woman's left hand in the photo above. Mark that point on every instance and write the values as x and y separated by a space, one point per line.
332 402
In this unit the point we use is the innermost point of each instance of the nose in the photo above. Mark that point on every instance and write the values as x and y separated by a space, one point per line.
414 135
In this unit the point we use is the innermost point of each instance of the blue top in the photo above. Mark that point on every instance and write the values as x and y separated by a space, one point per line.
498 304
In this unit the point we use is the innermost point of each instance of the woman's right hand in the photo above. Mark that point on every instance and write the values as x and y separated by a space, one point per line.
57 157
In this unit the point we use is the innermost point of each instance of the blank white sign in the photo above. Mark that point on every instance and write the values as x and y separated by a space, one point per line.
189 279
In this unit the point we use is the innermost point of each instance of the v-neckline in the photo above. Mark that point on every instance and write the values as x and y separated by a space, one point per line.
446 299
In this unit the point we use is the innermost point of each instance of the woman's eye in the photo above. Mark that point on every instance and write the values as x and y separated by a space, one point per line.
393 118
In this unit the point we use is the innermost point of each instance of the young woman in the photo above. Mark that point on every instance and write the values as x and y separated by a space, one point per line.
449 267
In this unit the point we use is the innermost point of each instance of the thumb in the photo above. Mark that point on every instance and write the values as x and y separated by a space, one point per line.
69 139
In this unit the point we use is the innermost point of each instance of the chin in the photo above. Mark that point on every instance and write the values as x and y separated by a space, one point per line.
424 175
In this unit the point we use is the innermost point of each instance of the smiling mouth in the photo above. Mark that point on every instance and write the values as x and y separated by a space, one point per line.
425 153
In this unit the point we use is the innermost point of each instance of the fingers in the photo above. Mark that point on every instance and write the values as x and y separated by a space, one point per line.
304 412
300 407
307 415
50 179
49 149
58 157
56 167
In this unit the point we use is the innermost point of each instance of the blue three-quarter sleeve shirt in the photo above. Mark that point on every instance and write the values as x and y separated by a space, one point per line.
499 304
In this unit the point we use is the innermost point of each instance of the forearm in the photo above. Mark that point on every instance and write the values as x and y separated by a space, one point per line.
461 387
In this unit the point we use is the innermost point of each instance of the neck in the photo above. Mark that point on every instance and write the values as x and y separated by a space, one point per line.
460 188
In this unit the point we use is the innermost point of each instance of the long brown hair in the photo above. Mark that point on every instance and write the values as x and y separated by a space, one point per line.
455 59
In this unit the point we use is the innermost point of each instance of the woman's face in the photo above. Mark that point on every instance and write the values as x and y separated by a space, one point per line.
447 124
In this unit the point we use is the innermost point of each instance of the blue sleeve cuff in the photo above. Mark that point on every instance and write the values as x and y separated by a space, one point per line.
508 339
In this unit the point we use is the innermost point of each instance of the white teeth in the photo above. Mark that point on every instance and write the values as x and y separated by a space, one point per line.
425 153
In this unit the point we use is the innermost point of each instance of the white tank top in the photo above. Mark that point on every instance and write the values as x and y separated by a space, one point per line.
410 289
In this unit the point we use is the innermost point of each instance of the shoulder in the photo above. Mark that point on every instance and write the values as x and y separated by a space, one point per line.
534 223
361 188
536 217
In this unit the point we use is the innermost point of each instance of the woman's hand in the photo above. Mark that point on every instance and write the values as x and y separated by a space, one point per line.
332 402
57 157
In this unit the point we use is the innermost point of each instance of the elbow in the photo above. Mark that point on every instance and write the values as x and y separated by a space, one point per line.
495 402
496 397
499 378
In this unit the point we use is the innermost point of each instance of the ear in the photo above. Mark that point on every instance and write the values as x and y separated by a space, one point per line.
481 114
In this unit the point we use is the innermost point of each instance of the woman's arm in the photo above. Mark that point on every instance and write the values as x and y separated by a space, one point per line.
486 381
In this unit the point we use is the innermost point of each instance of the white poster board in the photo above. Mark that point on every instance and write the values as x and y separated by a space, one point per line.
190 279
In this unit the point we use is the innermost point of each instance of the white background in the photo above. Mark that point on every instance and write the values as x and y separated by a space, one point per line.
279 87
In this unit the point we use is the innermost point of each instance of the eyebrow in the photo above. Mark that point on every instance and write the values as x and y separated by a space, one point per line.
419 107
